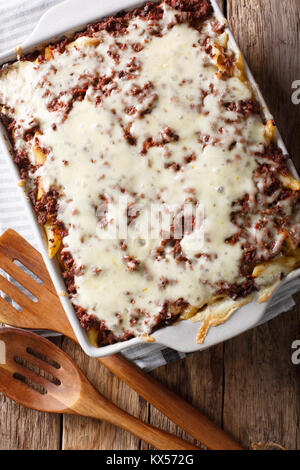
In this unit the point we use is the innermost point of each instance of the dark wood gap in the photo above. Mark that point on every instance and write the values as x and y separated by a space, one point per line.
61 431
225 8
223 387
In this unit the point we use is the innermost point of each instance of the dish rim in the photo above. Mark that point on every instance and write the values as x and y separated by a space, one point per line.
180 336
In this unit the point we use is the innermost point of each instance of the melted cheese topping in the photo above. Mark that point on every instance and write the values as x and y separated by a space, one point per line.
96 152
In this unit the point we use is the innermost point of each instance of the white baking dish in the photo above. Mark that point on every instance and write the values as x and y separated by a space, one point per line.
68 17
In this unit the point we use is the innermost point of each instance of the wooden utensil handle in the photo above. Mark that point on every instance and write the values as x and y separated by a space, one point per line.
94 405
174 407
157 438
171 405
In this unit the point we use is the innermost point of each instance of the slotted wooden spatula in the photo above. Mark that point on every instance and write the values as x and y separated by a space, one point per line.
47 313
39 375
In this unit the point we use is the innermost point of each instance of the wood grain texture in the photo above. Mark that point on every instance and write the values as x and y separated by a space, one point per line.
199 380
84 433
26 429
261 386
268 34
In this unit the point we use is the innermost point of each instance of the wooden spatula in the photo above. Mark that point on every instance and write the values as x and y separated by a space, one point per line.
39 375
47 313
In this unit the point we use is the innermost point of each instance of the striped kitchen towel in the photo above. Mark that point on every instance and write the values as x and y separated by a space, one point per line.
17 20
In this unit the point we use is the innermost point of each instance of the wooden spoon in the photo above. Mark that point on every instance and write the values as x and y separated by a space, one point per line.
39 375
48 313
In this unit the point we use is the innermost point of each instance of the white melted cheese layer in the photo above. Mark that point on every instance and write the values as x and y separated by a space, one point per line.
89 156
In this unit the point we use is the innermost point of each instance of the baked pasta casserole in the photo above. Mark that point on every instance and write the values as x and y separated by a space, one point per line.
146 120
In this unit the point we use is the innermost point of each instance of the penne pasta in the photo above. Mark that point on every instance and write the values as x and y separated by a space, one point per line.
54 239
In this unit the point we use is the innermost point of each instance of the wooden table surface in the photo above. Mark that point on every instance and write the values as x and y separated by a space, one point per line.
248 385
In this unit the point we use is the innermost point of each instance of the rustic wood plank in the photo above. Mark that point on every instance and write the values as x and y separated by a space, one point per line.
25 429
82 433
268 34
261 387
199 380
261 400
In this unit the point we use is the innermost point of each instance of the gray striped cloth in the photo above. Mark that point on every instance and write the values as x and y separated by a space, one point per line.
17 20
